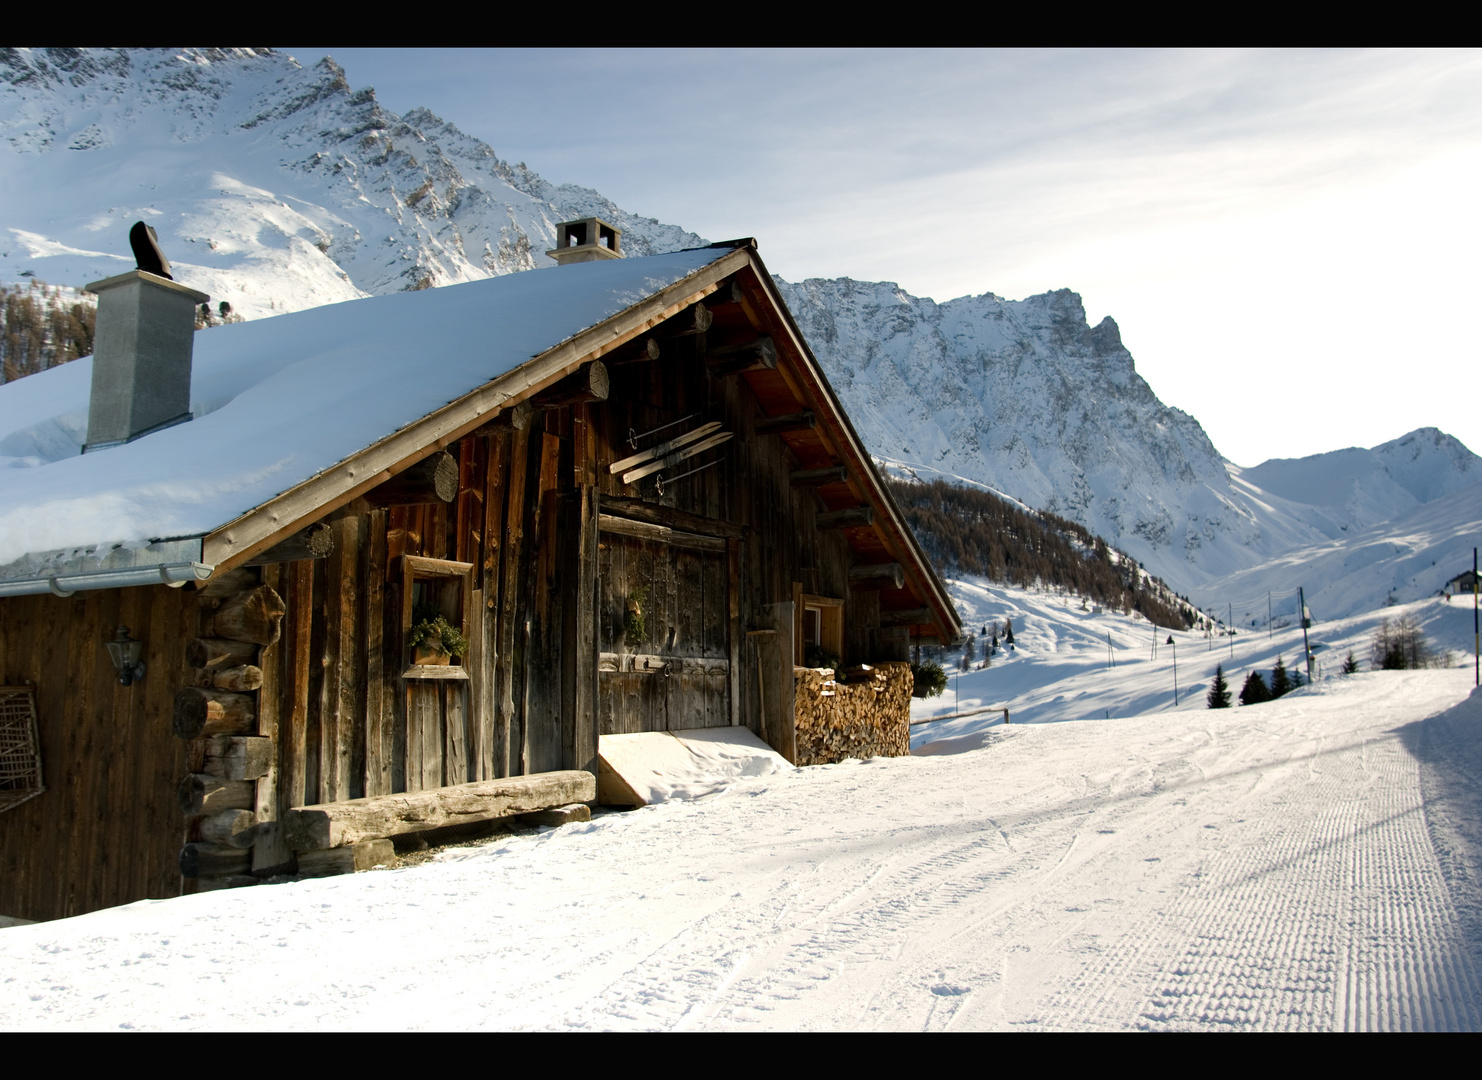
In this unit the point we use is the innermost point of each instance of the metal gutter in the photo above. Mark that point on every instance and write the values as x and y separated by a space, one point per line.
62 573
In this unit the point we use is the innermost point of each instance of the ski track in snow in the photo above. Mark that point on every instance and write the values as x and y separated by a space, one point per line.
1291 866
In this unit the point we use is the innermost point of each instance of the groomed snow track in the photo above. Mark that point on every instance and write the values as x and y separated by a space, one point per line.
1310 864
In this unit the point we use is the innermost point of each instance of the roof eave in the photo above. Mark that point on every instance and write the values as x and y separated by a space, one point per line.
275 520
900 537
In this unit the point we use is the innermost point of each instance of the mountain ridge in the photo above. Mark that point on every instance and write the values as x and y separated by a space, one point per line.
276 187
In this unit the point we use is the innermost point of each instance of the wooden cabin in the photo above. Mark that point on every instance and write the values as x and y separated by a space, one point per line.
626 483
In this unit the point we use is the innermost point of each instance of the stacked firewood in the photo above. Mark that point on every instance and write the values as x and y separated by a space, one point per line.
867 716
217 714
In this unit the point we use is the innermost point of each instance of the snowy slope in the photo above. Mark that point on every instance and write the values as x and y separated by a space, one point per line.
1070 663
1307 864
272 186
1406 559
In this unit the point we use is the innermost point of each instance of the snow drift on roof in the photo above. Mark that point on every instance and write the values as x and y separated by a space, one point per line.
277 401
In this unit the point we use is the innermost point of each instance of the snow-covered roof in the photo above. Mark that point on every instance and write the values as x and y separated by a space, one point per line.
277 401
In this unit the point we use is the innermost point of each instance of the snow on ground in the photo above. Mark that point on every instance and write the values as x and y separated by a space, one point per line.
1311 863
1062 668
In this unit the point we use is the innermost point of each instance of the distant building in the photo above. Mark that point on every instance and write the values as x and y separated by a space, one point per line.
1464 582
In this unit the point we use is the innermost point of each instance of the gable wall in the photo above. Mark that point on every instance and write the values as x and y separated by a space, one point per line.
525 518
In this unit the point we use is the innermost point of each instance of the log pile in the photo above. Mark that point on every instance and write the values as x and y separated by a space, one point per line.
869 716
216 713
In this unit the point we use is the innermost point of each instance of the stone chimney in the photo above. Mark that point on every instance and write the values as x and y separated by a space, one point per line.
141 357
586 240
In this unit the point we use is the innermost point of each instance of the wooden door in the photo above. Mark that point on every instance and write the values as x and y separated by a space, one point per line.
664 650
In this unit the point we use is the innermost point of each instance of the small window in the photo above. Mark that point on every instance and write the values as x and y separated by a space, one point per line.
434 608
821 624
20 752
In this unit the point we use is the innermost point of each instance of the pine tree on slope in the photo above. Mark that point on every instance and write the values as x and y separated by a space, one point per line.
1281 682
1254 691
1219 690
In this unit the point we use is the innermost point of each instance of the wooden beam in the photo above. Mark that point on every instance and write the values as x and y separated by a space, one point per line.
646 352
700 320
780 425
230 828
212 712
238 757
329 825
728 295
668 515
890 575
202 794
314 542
228 584
834 474
588 384
846 519
516 417
254 615
219 653
660 534
213 860
561 815
431 481
757 355
244 678
346 860
906 617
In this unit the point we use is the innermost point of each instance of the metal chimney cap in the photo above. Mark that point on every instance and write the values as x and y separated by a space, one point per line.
145 275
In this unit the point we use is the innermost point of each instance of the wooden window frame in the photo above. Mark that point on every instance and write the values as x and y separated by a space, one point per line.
830 623
415 569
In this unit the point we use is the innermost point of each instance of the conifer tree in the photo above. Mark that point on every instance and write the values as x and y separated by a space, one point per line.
1350 666
1254 691
1281 682
1008 631
1219 690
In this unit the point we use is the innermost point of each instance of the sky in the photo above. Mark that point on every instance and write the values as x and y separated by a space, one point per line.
1289 240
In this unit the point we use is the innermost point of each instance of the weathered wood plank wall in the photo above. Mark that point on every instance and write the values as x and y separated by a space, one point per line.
108 829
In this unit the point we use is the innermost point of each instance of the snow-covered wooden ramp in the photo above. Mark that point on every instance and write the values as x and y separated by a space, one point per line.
651 766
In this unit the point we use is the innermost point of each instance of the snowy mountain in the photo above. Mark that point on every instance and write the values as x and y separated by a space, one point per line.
272 186
1405 559
277 187
1358 488
1026 398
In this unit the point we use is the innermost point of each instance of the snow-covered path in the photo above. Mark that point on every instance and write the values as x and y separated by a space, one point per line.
1307 864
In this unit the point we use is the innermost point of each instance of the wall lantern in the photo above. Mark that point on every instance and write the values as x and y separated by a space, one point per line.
124 652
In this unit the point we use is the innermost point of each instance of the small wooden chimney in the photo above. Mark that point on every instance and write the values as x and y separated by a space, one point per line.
586 240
